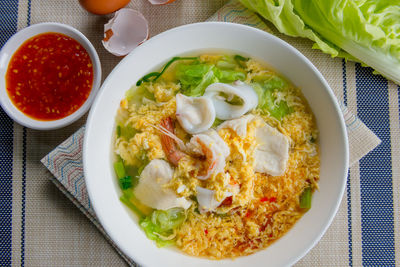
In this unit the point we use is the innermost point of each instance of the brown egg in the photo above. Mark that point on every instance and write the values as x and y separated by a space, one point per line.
161 2
102 7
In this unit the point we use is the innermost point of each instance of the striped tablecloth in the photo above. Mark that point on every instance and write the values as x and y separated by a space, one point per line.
39 226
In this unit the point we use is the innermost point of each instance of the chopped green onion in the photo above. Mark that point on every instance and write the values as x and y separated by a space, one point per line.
140 169
239 59
217 122
133 172
119 169
129 175
305 198
128 132
146 77
125 198
125 182
156 75
118 131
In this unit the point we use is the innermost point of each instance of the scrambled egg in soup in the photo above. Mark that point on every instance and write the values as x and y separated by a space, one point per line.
217 155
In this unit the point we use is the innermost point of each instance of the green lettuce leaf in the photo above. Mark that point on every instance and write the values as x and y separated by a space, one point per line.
282 15
136 94
266 99
366 31
162 223
229 76
195 78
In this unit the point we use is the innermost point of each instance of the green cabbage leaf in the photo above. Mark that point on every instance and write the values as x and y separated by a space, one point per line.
366 31
196 77
160 224
267 101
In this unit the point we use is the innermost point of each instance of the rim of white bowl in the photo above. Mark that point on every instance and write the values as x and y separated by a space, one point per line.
101 215
8 51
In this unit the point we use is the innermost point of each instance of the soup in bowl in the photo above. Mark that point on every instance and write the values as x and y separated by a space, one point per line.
214 147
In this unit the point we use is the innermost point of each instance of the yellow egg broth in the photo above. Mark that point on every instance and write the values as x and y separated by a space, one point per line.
142 119
265 207
239 164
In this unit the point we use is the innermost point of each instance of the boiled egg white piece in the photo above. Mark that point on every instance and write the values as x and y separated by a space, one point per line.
150 189
221 94
272 151
195 114
125 31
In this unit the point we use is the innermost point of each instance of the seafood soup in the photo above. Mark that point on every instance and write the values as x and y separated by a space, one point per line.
216 154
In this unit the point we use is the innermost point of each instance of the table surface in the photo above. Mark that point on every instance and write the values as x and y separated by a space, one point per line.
41 227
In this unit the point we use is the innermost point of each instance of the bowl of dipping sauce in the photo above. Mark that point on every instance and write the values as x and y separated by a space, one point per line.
49 76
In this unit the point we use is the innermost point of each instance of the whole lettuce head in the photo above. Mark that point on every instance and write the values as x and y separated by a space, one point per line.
367 31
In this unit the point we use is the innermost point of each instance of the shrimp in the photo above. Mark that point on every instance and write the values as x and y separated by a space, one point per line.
210 161
215 151
169 142
209 147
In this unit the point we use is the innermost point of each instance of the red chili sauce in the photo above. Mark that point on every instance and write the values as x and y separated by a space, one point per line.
49 77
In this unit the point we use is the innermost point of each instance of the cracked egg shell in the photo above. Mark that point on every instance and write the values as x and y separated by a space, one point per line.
125 31
161 2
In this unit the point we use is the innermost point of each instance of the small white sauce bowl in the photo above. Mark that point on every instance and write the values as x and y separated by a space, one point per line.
11 47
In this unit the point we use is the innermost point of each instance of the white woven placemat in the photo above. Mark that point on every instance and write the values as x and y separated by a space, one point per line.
65 161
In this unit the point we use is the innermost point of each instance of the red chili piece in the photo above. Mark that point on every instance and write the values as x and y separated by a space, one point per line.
269 199
249 213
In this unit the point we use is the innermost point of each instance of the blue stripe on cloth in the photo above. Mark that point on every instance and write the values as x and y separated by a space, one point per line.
29 13
8 19
8 26
344 70
24 172
398 98
376 172
348 185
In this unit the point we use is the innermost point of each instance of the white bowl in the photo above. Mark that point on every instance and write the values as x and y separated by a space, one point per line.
14 43
121 224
